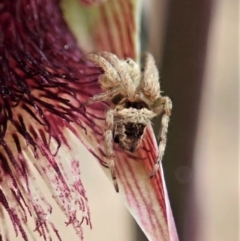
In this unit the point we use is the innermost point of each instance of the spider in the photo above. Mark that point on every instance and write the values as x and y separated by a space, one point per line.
137 98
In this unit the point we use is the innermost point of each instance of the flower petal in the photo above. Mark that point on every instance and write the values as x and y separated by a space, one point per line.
146 198
112 26
117 32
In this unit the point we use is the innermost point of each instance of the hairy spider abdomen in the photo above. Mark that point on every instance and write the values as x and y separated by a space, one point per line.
129 143
129 136
134 130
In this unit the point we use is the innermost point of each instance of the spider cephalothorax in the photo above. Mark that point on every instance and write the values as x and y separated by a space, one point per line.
137 98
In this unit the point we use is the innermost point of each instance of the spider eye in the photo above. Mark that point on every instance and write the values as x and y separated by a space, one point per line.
129 61
117 98
116 139
136 105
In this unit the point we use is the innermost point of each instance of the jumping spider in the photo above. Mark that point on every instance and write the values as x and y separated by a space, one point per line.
137 98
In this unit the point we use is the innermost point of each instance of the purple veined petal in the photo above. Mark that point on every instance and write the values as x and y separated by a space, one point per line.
43 84
146 198
40 80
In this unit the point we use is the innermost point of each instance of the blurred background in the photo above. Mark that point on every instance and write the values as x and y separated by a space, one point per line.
196 47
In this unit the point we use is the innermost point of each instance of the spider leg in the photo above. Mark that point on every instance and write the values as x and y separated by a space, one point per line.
167 107
106 65
119 66
109 146
103 96
150 85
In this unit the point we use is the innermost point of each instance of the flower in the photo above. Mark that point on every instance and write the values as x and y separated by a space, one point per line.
44 79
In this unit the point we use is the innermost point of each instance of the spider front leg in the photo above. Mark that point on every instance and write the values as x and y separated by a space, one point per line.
105 96
110 80
109 146
165 105
149 84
